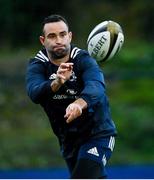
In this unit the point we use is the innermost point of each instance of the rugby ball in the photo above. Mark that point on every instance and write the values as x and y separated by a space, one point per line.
105 40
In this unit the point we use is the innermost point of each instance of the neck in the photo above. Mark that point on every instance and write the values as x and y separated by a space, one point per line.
59 61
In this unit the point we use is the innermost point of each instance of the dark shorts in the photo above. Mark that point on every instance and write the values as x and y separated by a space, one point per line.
97 150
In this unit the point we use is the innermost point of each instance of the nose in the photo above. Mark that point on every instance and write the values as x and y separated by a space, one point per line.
58 39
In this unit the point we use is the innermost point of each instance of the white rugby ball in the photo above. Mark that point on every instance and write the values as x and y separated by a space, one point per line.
105 40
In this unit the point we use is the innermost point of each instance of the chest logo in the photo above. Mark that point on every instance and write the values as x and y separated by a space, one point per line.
73 77
53 76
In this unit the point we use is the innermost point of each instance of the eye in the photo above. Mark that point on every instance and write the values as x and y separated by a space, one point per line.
51 36
63 34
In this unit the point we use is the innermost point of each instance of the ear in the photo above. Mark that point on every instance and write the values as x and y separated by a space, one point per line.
42 40
70 36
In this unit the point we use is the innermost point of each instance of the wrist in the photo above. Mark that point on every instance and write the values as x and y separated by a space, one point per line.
79 107
59 81
82 103
56 84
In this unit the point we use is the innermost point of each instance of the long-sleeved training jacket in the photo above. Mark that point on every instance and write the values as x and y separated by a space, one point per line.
86 82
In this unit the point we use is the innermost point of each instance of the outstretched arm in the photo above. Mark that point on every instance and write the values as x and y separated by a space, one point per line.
38 87
92 92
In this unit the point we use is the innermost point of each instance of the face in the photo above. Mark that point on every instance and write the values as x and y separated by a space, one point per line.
56 39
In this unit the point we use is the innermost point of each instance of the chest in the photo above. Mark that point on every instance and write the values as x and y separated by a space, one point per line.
72 87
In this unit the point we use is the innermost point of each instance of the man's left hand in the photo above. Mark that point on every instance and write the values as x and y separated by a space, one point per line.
72 112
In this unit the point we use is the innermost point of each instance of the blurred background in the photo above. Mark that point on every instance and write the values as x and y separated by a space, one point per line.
26 139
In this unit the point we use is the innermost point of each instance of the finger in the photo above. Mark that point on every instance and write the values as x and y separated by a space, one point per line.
68 111
66 65
60 76
70 68
62 70
70 118
65 116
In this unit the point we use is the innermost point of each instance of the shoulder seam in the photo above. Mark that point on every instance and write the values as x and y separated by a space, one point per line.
75 51
41 56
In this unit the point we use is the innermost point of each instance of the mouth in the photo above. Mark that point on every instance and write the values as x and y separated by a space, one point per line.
59 47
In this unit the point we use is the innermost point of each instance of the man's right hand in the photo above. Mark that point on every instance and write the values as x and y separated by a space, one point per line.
64 72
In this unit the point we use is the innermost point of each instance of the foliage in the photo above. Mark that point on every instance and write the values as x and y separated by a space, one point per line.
26 138
21 20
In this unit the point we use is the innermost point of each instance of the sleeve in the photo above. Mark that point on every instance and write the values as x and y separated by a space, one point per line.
93 79
37 86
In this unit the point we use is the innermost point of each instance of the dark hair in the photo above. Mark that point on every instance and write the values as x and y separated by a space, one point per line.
55 18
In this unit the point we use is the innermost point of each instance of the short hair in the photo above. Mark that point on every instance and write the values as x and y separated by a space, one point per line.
54 18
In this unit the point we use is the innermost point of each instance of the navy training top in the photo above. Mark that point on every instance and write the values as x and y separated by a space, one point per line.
86 82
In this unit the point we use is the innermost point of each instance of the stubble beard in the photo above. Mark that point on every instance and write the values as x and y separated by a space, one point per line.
60 53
